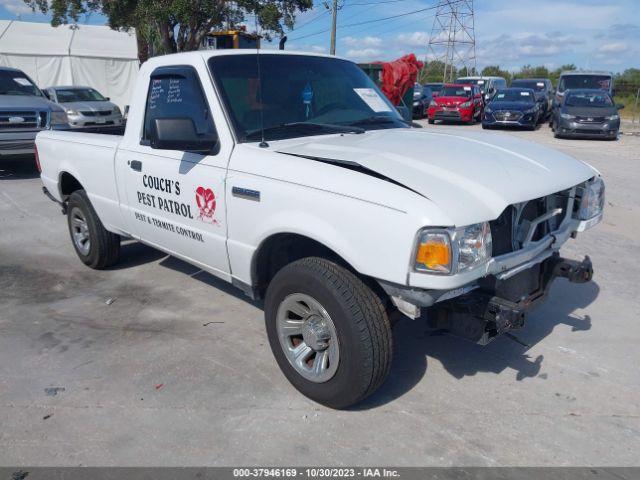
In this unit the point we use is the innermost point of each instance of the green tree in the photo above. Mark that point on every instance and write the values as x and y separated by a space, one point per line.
434 72
496 71
171 26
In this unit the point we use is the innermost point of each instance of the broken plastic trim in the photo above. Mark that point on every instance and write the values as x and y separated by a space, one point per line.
355 167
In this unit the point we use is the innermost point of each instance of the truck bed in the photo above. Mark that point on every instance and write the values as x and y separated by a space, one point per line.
86 156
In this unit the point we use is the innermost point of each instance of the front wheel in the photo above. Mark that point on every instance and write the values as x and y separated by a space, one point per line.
97 247
431 121
328 331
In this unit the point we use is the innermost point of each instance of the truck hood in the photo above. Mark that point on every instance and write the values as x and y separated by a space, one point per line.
27 102
89 106
471 176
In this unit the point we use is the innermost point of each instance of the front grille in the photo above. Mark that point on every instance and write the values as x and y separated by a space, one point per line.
19 119
97 113
589 119
510 230
507 116
448 114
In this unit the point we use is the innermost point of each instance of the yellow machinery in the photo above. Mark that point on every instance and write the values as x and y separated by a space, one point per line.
228 39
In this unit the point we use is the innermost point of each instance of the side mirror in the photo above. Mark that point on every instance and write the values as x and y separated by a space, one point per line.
180 134
108 99
619 106
490 90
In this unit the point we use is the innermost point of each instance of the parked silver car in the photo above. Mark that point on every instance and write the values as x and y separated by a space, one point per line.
86 107
24 111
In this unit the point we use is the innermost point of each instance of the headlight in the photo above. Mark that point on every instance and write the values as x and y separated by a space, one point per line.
433 103
415 104
116 111
591 200
58 118
465 105
488 110
454 250
71 112
613 117
533 110
567 116
474 245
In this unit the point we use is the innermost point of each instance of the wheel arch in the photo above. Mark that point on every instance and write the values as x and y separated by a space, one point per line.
67 184
279 249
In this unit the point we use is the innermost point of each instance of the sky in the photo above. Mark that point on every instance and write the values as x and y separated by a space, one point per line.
593 34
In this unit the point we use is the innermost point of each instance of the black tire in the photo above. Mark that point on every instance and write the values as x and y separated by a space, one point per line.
431 122
104 246
361 324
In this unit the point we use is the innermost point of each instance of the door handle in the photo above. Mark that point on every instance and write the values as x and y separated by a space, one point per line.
136 165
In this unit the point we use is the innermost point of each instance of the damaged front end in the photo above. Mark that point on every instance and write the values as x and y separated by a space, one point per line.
483 302
498 306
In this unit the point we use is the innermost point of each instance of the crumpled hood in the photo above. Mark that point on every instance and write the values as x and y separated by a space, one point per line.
471 176
10 102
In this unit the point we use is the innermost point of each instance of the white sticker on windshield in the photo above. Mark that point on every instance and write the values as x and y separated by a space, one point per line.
501 95
23 81
480 82
372 98
467 89
540 84
524 94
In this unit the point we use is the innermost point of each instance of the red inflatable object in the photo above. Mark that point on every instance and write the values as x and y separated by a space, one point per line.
398 76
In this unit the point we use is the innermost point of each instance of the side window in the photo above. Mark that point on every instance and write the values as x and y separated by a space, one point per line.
175 92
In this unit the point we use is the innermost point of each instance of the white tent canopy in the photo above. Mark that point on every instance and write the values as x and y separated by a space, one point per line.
86 55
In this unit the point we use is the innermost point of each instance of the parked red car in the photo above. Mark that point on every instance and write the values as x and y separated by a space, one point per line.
457 102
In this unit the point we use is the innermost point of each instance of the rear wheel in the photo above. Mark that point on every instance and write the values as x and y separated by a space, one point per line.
431 121
96 247
328 331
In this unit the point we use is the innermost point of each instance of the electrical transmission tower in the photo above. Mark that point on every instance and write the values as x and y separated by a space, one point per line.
452 39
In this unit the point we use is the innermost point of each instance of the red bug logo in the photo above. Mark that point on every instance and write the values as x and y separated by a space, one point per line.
206 201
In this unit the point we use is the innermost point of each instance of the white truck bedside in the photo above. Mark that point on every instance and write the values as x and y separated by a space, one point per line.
291 176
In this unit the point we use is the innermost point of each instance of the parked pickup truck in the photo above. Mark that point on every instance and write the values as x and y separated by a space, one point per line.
292 177
24 111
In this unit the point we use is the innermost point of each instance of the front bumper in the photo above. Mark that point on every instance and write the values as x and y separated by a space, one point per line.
499 306
81 121
526 120
450 114
569 128
17 142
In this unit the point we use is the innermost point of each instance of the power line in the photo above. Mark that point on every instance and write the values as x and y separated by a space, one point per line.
367 22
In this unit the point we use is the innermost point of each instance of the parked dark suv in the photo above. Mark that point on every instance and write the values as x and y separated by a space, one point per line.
543 91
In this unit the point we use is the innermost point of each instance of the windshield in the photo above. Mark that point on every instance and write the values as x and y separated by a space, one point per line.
523 96
435 87
472 81
449 91
17 83
298 95
601 82
532 84
589 99
68 95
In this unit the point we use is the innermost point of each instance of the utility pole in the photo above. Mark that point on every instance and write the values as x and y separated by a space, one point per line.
452 39
334 21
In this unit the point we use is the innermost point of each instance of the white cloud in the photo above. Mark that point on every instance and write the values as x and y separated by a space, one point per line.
414 39
17 7
615 47
371 54
366 42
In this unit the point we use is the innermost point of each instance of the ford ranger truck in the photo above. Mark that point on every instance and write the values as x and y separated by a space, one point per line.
292 177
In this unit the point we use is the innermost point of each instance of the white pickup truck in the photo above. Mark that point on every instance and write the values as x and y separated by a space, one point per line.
292 177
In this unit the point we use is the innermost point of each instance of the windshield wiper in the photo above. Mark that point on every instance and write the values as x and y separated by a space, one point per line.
319 127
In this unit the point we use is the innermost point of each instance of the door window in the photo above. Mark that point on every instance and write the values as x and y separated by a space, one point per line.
175 92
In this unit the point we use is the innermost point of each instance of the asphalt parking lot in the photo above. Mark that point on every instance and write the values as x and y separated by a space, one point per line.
156 363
